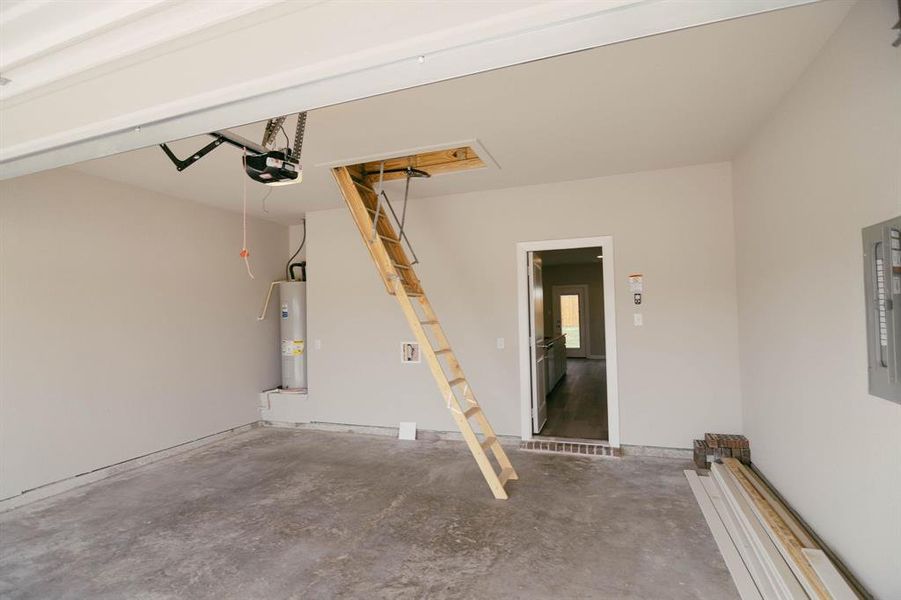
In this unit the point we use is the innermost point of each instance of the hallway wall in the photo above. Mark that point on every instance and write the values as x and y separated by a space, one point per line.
591 275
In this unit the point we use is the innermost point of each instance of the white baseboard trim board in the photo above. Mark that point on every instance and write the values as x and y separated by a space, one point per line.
335 427
421 434
69 483
657 452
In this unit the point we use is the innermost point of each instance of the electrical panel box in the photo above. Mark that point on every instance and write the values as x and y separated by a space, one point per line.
882 281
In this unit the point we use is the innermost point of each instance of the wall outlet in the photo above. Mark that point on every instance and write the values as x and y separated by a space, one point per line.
500 343
637 320
409 352
318 344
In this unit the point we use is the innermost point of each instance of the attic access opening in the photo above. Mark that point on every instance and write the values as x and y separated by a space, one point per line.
428 163
370 173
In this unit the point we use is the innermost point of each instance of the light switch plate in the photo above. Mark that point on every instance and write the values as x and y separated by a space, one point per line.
637 320
500 343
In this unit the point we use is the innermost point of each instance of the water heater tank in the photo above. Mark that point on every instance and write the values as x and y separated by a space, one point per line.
293 320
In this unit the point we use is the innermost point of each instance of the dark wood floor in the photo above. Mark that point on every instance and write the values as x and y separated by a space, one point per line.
577 408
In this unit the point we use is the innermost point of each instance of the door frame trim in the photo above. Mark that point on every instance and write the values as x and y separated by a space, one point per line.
522 282
534 388
584 315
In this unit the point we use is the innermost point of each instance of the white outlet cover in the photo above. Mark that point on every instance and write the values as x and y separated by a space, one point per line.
637 320
500 343
406 430
409 353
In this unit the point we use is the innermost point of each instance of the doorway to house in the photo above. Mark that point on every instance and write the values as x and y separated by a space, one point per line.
569 336
571 318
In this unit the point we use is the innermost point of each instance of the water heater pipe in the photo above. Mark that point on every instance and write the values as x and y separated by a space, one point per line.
268 297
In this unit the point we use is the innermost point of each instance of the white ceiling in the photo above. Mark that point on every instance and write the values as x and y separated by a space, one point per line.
44 41
687 97
92 78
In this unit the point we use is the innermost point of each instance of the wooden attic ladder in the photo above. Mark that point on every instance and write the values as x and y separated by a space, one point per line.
399 277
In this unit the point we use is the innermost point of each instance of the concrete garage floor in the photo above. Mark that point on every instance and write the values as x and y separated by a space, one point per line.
276 513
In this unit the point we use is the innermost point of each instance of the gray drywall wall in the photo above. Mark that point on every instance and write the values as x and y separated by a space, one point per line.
678 374
127 324
826 164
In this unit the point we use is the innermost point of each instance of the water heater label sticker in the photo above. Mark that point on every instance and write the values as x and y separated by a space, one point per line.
292 347
284 311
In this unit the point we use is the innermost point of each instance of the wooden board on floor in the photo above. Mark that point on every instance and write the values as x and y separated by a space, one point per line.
780 575
832 579
740 574
781 510
784 538
741 541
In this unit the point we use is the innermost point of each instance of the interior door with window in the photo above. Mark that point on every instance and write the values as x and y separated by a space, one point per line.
571 318
536 344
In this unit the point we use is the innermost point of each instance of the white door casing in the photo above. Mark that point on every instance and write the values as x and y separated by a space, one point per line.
538 368
523 310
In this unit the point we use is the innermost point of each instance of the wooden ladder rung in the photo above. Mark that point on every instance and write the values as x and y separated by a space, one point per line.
488 442
506 475
363 187
456 381
471 411
400 266
372 212
388 238
428 322
443 351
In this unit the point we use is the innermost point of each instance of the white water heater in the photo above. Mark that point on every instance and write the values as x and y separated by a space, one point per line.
292 297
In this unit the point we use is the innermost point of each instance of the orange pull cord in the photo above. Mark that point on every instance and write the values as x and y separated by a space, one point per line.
245 253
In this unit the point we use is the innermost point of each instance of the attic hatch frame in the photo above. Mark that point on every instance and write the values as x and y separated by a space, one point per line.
386 248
